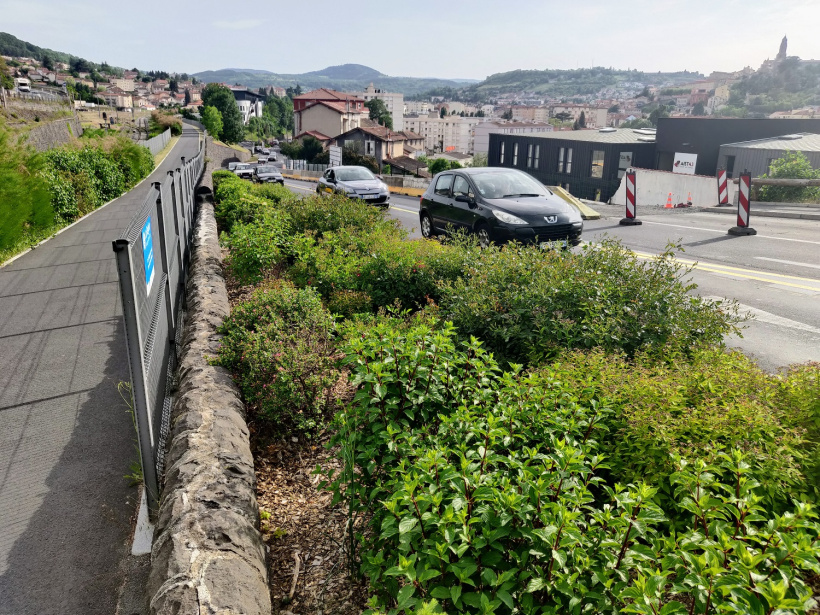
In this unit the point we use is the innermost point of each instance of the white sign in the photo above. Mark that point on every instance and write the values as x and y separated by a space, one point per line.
335 155
685 163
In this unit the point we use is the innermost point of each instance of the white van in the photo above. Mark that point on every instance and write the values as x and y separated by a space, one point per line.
22 84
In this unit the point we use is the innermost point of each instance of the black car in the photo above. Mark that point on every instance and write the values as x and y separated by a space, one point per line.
268 174
498 205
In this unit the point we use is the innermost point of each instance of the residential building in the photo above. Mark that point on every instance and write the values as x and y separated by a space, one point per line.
806 113
530 114
703 136
250 103
485 129
450 133
328 112
379 142
126 85
588 163
595 117
419 107
115 97
757 156
393 101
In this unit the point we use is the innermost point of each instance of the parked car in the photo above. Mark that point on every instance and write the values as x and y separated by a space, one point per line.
498 205
272 157
356 183
265 151
261 158
244 170
232 166
268 174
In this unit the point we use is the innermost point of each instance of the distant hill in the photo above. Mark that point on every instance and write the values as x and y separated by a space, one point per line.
577 82
347 77
10 45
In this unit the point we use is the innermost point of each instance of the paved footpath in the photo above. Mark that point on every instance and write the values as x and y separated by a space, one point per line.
66 439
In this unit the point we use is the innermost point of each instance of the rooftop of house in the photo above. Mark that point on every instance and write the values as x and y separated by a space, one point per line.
802 142
605 135
328 95
339 106
315 134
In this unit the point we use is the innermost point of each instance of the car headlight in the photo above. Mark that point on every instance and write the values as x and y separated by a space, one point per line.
508 218
383 187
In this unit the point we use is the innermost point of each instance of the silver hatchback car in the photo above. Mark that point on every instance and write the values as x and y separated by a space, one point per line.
356 183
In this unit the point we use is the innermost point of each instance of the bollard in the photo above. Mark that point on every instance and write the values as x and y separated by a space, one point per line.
631 210
723 188
744 191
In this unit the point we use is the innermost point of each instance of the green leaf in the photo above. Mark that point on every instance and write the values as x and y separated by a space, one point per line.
505 597
405 593
407 524
429 574
536 584
455 594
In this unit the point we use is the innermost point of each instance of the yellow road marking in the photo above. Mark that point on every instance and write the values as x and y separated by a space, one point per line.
299 187
748 274
409 211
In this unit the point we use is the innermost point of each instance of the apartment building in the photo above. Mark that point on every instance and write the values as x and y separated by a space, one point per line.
530 114
417 107
392 100
485 129
450 133
595 116
126 85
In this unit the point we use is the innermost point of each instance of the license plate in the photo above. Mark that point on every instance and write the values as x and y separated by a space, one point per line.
561 243
370 196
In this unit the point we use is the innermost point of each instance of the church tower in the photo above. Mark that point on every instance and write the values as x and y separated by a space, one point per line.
781 55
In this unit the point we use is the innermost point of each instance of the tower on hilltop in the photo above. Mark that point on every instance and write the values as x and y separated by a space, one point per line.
781 55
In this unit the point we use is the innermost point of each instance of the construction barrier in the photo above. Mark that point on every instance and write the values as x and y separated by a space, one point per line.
631 218
723 188
743 206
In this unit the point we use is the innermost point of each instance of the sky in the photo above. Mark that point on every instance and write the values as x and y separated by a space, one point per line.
454 39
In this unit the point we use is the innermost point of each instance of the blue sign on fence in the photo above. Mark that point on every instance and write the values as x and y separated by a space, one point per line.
148 254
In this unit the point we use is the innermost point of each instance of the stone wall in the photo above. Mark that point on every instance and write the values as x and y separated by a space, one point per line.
218 157
208 555
54 134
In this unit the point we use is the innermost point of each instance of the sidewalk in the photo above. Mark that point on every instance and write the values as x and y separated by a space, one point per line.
66 439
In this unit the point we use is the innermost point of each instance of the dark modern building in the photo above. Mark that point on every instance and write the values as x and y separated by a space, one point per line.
756 156
703 136
589 163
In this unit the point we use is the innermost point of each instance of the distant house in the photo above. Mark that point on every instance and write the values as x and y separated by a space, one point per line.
464 160
327 111
404 165
250 103
379 142
321 138
115 97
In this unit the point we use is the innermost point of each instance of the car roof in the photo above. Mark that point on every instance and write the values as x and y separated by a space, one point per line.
349 166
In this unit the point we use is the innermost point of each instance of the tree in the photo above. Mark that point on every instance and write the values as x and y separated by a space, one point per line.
48 62
187 97
507 115
174 85
221 97
379 112
614 108
657 114
442 164
698 109
794 165
637 123
212 120
564 116
582 121
480 160
311 147
442 112
6 80
78 65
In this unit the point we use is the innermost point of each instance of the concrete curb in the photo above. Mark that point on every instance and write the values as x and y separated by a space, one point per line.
764 214
208 555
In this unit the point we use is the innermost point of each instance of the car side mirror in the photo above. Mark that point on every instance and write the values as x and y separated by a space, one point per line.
464 198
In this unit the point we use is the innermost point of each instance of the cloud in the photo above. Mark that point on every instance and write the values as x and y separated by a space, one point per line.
239 24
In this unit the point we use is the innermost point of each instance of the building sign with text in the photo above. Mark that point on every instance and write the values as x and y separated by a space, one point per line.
685 163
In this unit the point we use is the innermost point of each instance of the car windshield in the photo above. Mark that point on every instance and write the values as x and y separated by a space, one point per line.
242 167
266 169
353 174
500 184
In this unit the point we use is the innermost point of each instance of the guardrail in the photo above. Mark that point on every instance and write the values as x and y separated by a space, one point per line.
152 263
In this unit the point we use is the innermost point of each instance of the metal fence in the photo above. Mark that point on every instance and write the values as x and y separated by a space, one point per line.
152 262
303 165
156 144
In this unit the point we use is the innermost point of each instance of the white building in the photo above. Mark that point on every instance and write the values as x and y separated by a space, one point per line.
418 107
392 100
126 85
485 129
250 109
442 134
595 117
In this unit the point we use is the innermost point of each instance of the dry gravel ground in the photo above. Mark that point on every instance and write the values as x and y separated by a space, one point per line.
298 522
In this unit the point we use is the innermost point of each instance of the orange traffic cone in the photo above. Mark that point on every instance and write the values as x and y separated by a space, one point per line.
669 202
689 199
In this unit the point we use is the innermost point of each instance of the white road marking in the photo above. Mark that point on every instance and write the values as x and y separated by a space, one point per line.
723 232
772 319
777 260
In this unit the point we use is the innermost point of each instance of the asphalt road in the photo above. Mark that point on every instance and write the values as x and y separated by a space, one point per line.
66 438
775 275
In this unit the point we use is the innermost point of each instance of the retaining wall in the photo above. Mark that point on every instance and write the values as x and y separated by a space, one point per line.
55 133
208 555
653 188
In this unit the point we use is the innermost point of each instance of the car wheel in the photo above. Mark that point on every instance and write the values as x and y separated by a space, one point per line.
427 230
483 234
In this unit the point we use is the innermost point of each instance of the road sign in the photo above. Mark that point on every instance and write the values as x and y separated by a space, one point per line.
335 156
148 254
631 218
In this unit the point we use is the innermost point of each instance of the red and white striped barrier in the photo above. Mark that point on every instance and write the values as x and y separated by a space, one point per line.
723 188
631 218
744 200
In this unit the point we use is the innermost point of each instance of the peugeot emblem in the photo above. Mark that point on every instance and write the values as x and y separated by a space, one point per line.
551 219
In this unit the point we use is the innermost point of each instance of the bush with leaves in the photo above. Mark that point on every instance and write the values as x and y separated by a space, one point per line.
257 247
279 345
794 165
528 304
482 489
698 406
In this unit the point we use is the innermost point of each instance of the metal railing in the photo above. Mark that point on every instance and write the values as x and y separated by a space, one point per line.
156 144
152 263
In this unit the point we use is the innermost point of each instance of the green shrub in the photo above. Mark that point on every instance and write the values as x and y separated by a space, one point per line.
794 165
279 345
135 161
483 490
323 214
697 408
256 247
528 304
348 303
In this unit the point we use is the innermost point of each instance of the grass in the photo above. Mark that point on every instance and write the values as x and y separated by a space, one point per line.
238 148
29 240
159 157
